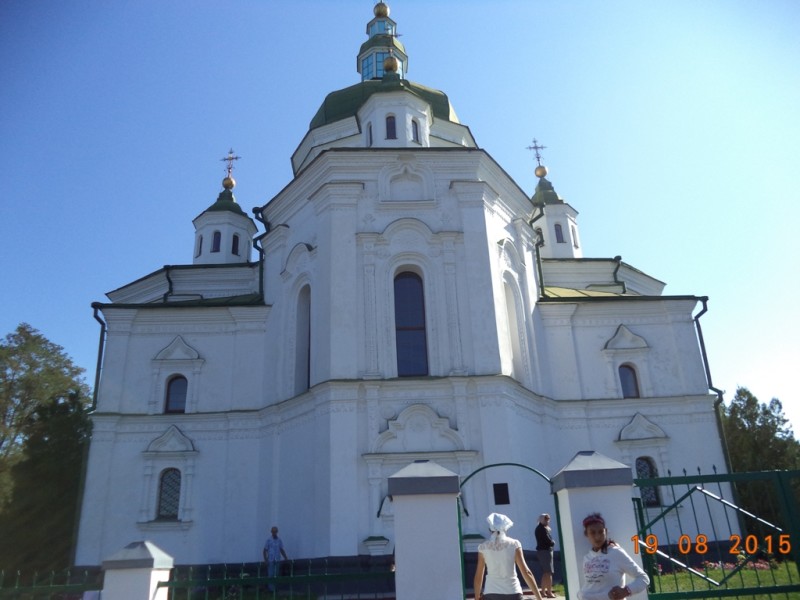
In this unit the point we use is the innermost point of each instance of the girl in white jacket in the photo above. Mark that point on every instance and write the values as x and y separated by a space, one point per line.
609 573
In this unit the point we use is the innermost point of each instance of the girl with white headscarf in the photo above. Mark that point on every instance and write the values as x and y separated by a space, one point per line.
498 557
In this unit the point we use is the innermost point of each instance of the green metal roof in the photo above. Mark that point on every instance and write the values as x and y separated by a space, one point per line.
226 202
382 40
345 103
561 292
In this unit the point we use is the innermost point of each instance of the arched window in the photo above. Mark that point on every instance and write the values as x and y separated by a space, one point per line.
169 495
646 469
176 395
415 130
302 362
199 245
369 135
391 128
216 241
559 234
235 244
574 236
513 333
629 381
409 324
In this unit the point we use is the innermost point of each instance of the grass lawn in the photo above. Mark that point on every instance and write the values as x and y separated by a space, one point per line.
784 574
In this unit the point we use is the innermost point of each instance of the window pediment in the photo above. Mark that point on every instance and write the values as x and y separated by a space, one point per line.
641 428
172 441
418 429
625 339
178 349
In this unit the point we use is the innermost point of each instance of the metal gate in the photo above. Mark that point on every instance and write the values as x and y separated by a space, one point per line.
698 537
464 508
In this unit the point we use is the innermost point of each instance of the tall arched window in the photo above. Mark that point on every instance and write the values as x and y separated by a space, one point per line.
391 128
559 234
169 495
574 236
415 131
513 333
176 395
216 241
369 135
235 244
646 469
199 245
629 381
302 361
409 325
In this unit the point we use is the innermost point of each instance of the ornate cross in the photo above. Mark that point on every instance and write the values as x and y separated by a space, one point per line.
536 147
232 157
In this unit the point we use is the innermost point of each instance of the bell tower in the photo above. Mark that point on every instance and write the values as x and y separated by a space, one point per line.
223 232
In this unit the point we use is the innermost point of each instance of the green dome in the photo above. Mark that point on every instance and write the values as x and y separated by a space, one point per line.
345 103
226 201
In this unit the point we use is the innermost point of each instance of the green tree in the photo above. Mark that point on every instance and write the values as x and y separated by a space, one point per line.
37 528
34 372
759 438
43 434
759 435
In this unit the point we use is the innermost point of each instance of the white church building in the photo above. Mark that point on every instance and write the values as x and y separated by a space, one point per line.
400 299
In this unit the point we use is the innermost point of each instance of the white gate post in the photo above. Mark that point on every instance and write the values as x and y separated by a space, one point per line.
590 483
427 548
134 572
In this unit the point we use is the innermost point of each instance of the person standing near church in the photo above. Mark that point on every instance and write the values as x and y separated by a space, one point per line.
498 559
544 552
272 552
609 573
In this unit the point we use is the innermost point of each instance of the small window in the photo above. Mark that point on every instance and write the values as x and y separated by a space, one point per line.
216 242
199 245
574 236
559 234
646 469
415 131
176 395
391 128
629 382
409 324
501 494
369 135
235 244
169 495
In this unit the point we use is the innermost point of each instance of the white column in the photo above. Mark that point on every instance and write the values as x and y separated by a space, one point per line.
134 573
591 483
427 548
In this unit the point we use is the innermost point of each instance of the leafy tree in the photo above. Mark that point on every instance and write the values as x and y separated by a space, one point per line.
34 372
759 437
38 526
43 434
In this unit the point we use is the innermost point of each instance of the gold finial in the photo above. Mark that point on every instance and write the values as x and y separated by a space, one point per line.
541 170
229 182
381 10
390 63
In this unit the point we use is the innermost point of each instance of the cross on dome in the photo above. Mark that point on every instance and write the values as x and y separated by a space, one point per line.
229 182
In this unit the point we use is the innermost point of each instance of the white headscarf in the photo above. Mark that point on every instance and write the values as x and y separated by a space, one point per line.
499 523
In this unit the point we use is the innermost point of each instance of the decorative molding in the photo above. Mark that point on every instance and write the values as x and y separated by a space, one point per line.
641 428
418 429
625 339
406 181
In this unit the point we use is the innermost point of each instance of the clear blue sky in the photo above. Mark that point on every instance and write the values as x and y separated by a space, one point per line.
672 127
